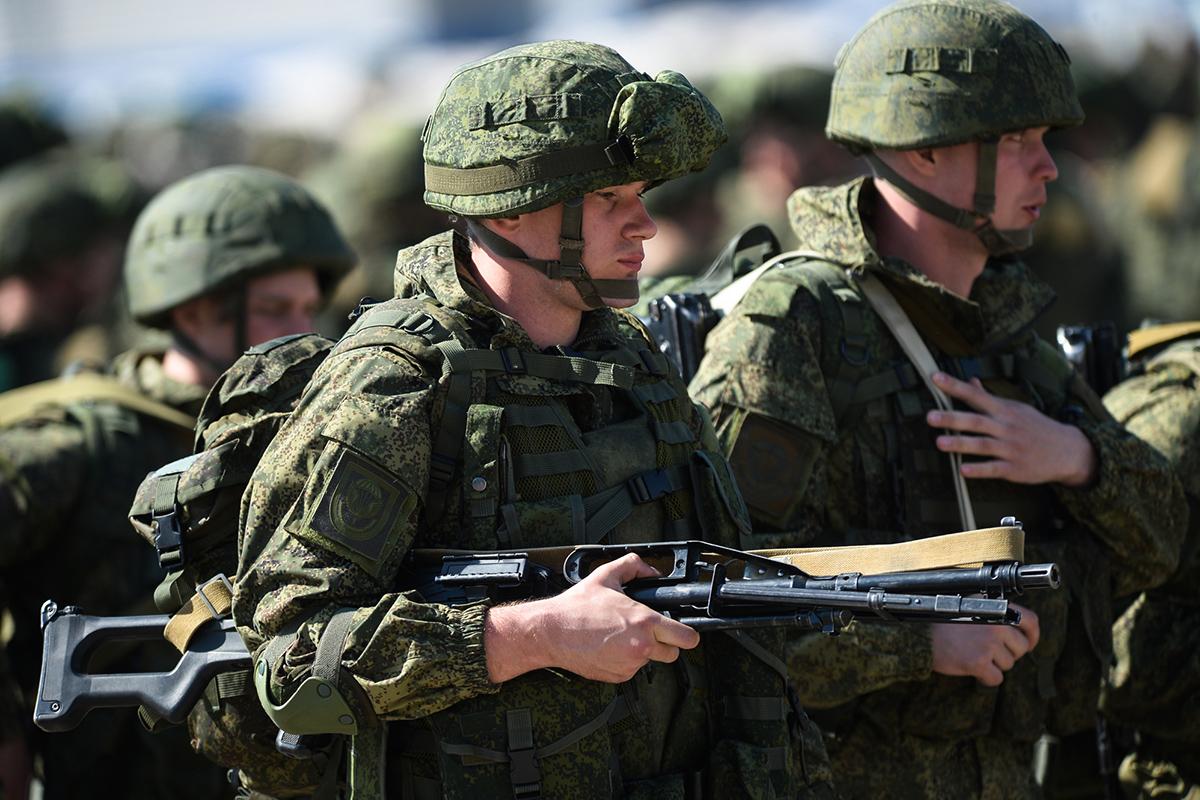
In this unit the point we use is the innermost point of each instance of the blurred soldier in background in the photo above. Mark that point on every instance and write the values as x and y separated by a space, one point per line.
1154 684
225 259
374 186
838 436
59 263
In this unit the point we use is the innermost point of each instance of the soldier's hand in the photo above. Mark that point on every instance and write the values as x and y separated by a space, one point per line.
593 629
984 652
1022 443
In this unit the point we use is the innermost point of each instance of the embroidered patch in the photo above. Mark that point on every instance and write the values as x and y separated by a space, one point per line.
772 467
359 509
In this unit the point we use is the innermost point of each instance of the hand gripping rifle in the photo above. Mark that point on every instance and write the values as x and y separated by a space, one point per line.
701 585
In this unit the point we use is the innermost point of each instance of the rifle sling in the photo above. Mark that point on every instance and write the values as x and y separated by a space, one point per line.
212 600
965 549
20 404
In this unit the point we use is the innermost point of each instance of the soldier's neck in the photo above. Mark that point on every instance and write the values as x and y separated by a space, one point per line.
943 253
541 306
181 367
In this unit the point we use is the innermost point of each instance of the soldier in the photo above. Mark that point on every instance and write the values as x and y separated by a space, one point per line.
226 258
500 401
59 262
836 439
1153 685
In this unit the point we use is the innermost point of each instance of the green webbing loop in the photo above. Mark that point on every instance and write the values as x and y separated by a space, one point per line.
534 169
536 465
762 709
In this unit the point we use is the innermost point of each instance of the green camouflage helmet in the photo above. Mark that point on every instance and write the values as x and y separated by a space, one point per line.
218 228
545 123
934 73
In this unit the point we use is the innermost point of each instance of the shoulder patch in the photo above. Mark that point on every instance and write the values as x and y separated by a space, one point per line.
773 464
358 511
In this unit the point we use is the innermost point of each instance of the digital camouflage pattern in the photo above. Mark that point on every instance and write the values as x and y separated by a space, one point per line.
824 421
66 476
555 100
930 73
1154 683
218 228
340 497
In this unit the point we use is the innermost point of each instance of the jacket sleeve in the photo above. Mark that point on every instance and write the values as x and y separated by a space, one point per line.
762 382
1135 507
43 465
328 517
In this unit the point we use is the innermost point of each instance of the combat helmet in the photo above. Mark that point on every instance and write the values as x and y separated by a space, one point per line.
216 229
934 73
546 123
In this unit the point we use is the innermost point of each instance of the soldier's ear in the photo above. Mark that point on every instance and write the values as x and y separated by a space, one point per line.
922 161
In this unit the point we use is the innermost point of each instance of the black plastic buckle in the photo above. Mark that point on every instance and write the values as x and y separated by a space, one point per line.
621 151
441 470
650 485
168 540
510 357
524 773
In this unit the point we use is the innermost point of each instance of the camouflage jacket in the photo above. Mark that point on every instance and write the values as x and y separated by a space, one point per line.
823 419
347 489
67 475
1155 679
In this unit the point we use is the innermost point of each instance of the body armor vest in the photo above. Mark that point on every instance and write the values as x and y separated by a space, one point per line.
547 449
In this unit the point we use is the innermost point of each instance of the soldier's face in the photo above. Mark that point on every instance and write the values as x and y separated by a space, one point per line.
1023 168
615 224
281 303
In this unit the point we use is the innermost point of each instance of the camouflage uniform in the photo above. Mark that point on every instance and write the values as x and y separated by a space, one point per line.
836 450
436 422
66 476
68 470
1155 681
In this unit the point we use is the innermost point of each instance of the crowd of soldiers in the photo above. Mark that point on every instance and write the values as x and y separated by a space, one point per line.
503 399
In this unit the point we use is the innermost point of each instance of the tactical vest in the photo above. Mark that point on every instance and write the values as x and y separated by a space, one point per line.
881 389
537 449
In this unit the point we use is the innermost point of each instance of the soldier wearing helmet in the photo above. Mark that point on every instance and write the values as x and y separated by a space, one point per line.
223 259
822 384
503 401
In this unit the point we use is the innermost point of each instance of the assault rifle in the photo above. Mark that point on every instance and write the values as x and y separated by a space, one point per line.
701 585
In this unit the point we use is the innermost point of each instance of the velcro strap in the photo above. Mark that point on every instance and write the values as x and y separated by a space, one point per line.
212 600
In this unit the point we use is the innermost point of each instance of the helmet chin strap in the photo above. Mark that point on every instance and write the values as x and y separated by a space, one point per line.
997 242
186 344
569 265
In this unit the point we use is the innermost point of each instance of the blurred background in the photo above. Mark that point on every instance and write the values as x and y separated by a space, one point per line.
129 95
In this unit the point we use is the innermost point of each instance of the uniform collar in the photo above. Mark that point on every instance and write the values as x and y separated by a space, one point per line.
142 369
1005 300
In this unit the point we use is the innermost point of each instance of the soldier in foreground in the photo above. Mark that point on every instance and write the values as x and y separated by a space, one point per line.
836 439
500 401
227 258
1155 680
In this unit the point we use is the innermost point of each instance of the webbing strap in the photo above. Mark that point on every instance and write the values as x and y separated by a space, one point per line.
536 465
1143 339
514 361
918 353
234 684
447 446
212 600
23 403
614 712
328 662
958 217
522 172
724 300
763 709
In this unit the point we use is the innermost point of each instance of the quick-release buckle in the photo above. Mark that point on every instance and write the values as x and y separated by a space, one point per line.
441 470
168 540
649 486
